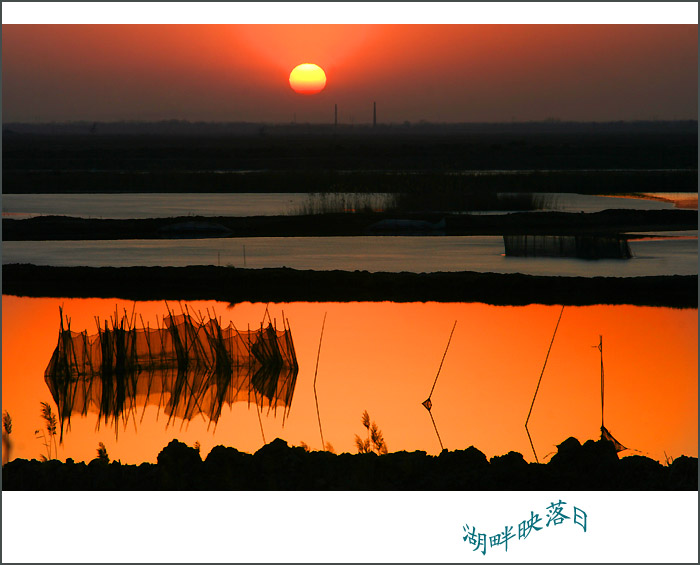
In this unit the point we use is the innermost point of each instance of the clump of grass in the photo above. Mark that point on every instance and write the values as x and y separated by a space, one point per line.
375 441
338 202
7 430
49 435
6 422
424 194
102 453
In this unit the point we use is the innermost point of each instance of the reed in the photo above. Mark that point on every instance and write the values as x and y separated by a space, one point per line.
102 453
48 436
433 195
7 430
375 441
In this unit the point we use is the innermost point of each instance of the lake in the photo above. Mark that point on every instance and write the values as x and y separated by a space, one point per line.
651 255
384 358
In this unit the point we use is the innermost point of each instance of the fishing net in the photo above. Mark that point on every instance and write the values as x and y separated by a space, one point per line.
185 366
606 435
579 246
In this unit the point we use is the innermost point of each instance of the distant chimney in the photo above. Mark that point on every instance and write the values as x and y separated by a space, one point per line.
336 116
374 117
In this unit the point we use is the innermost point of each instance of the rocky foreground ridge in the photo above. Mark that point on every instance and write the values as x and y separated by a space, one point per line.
276 466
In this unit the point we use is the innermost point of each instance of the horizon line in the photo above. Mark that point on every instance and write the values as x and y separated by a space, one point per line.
422 122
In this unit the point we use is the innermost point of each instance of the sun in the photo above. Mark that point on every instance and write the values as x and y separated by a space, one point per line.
307 78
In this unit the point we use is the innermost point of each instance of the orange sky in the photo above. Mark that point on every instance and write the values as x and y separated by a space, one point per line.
383 358
448 73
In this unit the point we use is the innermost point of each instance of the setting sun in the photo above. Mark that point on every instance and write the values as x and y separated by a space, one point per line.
307 78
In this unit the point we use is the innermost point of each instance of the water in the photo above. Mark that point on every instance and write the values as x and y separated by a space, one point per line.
383 358
133 206
651 256
589 203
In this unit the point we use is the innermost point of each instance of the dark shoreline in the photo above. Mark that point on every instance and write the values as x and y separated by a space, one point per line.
353 224
234 285
332 181
276 466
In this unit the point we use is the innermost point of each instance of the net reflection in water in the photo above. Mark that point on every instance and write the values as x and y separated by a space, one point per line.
188 366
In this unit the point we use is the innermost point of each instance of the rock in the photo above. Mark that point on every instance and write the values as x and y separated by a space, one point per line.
683 473
179 467
179 454
637 472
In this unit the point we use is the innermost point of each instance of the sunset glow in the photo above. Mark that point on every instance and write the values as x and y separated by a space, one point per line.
476 73
307 78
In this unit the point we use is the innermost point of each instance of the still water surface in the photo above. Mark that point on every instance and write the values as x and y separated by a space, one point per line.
383 358
651 256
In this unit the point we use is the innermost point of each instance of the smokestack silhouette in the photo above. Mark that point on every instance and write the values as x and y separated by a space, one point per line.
336 116
374 117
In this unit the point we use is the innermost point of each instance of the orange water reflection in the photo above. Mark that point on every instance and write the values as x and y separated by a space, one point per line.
383 358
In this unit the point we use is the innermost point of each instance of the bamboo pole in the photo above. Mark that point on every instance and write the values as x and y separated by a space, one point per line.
318 355
538 384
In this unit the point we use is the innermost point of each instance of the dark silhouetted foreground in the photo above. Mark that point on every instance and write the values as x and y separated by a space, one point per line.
289 285
276 466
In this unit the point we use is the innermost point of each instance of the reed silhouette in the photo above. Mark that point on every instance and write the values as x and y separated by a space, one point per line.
375 442
49 434
6 431
102 453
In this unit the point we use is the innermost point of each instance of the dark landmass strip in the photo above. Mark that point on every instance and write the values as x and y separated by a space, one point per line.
276 466
93 181
186 128
353 224
181 157
234 285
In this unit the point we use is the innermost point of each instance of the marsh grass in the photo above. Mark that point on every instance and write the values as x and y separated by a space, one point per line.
6 431
447 197
375 441
340 202
48 436
102 453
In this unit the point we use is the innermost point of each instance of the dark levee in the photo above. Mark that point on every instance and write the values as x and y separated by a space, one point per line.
595 465
411 184
236 285
577 246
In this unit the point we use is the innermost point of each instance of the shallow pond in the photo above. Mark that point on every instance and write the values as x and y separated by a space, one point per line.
651 255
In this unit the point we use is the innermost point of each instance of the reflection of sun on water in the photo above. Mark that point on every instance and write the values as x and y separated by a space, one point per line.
383 358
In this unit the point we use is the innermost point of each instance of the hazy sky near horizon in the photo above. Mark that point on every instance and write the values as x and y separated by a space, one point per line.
444 73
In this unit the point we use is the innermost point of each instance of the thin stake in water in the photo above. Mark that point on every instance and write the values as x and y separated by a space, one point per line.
538 384
428 404
604 433
323 445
